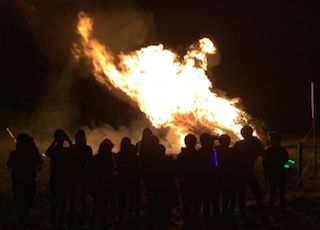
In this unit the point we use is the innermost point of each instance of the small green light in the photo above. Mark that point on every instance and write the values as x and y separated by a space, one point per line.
289 163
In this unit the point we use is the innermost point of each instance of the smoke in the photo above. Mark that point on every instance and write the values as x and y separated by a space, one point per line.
56 109
123 25
97 134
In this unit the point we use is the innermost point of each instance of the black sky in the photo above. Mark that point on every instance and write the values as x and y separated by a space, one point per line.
270 53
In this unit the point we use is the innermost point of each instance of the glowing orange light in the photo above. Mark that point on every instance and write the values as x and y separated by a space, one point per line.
172 91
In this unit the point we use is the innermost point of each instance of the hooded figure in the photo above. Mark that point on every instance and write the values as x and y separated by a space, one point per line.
101 173
25 161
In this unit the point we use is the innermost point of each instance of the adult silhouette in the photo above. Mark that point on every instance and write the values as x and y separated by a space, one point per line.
83 157
128 180
150 173
188 164
101 175
61 176
228 174
142 145
164 194
210 179
274 159
248 150
24 161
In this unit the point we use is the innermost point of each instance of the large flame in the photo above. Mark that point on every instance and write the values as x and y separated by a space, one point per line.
171 92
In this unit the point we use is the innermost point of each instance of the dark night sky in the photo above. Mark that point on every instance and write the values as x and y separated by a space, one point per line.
270 53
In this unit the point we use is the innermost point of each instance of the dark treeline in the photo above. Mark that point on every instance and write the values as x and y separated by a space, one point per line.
141 184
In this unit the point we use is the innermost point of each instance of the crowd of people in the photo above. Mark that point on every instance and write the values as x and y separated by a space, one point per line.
209 181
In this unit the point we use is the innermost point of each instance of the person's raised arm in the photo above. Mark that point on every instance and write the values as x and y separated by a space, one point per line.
50 151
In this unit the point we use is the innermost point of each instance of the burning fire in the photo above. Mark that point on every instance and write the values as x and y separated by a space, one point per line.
173 92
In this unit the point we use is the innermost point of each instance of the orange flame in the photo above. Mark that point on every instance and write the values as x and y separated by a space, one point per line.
171 92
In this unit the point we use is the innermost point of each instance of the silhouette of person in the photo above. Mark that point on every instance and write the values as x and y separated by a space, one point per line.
112 210
143 153
274 159
142 145
24 161
83 157
163 190
228 175
248 150
167 193
101 173
210 179
188 164
128 179
62 176
150 172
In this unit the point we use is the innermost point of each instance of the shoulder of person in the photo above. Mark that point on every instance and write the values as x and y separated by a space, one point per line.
12 153
240 142
11 157
268 149
284 150
256 139
88 147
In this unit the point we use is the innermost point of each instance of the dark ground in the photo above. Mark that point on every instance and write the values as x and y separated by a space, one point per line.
303 203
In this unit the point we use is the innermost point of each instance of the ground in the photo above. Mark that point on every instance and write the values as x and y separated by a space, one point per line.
303 202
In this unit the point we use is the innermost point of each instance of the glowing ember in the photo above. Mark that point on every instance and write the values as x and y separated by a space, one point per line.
172 91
